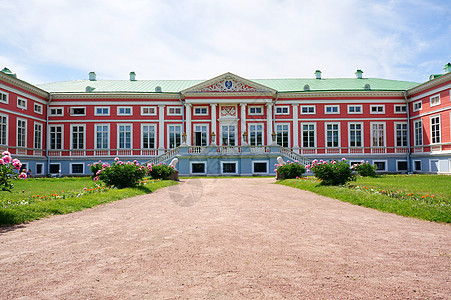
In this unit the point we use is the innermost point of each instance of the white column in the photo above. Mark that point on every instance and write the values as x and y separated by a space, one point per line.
188 123
295 126
243 122
269 122
213 120
161 134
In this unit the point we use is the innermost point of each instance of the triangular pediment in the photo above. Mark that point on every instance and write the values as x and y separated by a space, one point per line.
228 83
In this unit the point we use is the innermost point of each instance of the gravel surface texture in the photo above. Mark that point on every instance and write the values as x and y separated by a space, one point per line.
240 238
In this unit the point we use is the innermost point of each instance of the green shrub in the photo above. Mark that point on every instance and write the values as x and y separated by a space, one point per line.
333 172
365 169
7 174
95 167
120 174
290 170
160 171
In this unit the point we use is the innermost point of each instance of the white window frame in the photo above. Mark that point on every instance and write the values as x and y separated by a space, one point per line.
289 131
432 98
260 162
395 132
101 114
255 107
315 141
24 106
118 138
397 168
95 136
174 112
17 132
415 141
200 113
124 113
385 164
39 111
34 134
154 113
438 165
355 112
229 162
439 129
249 132
56 114
414 166
62 137
332 108
36 168
4 97
77 107
208 130
198 162
385 134
72 136
168 135
401 107
339 134
377 112
362 134
6 130
76 163
417 106
308 106
281 108
154 135
59 167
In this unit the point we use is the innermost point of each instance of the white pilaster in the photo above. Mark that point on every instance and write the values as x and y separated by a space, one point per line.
188 123
243 122
269 123
161 134
213 120
295 126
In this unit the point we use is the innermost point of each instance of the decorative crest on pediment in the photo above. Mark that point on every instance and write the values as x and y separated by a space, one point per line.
228 111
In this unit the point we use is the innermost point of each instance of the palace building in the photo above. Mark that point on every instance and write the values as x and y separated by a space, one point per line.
227 125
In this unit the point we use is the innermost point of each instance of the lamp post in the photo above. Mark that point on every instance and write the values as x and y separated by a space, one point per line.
213 138
273 136
184 138
245 137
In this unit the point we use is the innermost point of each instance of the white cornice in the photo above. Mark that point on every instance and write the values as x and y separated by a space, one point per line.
24 85
56 96
429 84
326 94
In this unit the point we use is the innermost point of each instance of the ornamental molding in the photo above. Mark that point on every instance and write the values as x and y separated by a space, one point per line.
429 84
227 111
230 84
24 85
128 96
362 95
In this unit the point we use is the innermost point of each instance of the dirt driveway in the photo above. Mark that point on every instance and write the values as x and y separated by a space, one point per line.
226 239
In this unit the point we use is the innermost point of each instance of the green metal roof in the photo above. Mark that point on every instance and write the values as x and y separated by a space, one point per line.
175 86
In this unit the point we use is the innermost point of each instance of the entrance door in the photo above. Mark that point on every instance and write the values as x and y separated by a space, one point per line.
228 135
200 135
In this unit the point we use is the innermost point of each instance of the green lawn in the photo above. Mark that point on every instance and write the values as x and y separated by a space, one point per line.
36 198
426 197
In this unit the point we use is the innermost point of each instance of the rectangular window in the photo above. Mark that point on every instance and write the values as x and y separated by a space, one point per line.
228 135
201 111
255 110
255 134
308 135
3 129
77 168
39 169
102 136
101 111
332 135
355 109
283 135
401 134
124 111
377 134
124 132
22 103
355 134
78 111
435 129
174 111
434 100
4 97
38 108
78 137
148 111
55 168
56 111
401 165
260 167
198 167
175 135
380 165
377 109
307 110
229 167
400 109
56 137
418 132
21 133
200 135
417 106
148 136
37 135
331 109
417 165
282 110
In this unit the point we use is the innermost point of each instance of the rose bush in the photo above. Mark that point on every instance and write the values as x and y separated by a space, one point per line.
365 169
289 170
120 174
332 172
160 171
7 173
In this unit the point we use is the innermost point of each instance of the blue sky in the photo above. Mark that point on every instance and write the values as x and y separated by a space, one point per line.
58 40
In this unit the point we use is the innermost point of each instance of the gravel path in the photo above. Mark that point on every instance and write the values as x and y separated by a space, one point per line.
226 239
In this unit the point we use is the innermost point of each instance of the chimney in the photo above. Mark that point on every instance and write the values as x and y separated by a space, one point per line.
132 76
158 89
447 68
92 76
318 74
358 74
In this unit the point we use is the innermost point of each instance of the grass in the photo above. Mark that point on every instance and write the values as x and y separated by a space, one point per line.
37 198
426 197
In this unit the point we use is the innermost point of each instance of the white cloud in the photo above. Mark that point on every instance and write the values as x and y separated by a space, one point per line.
200 39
